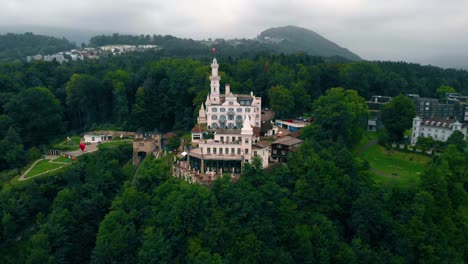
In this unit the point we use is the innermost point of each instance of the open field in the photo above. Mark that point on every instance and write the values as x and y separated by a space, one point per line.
74 144
62 160
393 168
114 143
43 166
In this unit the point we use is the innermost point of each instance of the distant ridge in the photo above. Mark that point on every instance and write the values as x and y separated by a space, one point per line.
291 39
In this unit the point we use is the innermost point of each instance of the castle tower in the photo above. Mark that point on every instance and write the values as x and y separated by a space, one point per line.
214 78
247 137
201 115
416 129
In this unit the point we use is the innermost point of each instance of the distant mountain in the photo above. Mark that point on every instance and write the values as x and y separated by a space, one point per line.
291 39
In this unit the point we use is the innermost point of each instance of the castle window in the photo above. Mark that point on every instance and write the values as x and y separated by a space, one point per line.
246 141
233 151
231 103
214 117
142 144
214 109
246 151
220 151
247 110
214 151
208 151
226 150
239 110
238 151
222 109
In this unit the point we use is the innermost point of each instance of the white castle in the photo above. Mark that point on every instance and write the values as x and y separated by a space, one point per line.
228 110
235 120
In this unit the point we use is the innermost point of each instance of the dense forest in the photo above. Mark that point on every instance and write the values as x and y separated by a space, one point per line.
320 207
18 46
146 91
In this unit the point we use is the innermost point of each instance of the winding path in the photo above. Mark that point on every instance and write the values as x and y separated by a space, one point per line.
89 149
364 148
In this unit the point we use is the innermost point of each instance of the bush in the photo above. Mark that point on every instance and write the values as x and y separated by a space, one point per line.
33 154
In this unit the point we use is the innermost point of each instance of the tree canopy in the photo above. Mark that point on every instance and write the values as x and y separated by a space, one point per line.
397 116
339 115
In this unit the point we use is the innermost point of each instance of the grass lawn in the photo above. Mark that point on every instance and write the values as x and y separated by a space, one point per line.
42 166
62 159
74 144
114 143
393 168
367 136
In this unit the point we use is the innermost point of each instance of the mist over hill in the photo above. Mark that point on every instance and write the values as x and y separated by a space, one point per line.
291 39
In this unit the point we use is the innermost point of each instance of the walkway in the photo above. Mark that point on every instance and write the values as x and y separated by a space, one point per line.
89 149
364 148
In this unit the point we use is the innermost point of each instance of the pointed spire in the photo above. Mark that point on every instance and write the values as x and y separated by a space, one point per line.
247 127
208 100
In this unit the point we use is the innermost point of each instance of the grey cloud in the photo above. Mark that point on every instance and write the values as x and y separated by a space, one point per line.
374 29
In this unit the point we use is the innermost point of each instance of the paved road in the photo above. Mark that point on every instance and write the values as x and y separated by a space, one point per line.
88 149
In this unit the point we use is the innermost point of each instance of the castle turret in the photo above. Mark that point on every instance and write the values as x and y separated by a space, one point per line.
201 115
214 78
247 137
416 129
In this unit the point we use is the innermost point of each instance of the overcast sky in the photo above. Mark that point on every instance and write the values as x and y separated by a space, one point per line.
374 29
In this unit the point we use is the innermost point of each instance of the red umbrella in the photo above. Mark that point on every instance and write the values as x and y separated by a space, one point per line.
82 146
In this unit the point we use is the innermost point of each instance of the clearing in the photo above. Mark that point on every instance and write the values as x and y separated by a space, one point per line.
393 168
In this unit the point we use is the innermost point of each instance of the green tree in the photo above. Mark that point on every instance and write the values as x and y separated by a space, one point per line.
340 115
12 154
397 116
38 115
281 101
458 139
443 89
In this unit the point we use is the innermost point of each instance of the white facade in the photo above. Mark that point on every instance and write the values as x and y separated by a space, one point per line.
228 110
438 129
92 138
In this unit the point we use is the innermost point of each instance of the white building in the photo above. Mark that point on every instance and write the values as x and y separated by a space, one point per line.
439 129
96 138
235 122
228 110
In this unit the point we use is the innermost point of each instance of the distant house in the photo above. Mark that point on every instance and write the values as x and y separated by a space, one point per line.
96 138
374 121
437 128
293 125
281 147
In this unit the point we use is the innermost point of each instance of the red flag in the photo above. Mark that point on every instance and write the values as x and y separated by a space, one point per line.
213 50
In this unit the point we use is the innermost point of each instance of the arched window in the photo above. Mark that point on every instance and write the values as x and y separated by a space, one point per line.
214 117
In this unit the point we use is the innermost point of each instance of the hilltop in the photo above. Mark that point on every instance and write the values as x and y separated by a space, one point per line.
291 39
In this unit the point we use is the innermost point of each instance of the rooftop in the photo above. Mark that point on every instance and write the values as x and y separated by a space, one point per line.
198 154
440 122
287 140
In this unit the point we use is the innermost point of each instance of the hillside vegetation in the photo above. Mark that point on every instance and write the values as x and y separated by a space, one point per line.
18 46
291 39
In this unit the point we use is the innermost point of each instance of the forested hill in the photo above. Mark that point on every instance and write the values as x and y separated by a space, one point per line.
287 40
18 46
291 39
